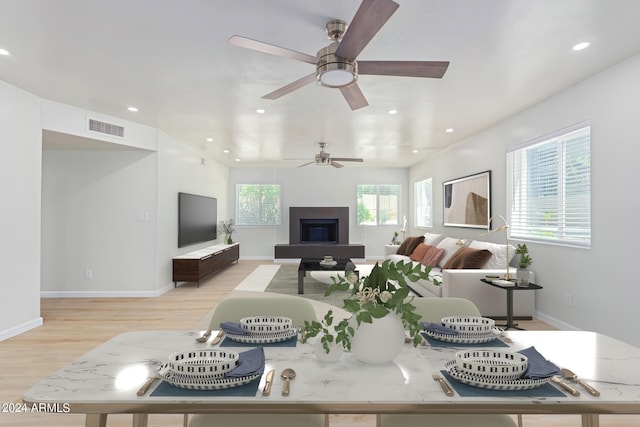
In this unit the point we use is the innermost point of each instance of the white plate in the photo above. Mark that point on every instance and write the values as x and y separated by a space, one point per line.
466 338
205 383
469 324
214 363
264 338
493 383
265 324
494 363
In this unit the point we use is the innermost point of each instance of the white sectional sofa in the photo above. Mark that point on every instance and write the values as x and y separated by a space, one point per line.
465 283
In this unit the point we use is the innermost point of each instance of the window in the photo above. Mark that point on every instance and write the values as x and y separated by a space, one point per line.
378 204
423 201
258 204
549 188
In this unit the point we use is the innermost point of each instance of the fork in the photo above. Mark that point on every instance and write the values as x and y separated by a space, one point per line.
443 384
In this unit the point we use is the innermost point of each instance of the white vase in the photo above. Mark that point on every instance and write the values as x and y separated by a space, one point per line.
334 355
380 341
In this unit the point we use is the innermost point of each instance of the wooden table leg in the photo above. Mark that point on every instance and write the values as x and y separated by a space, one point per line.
95 420
590 420
140 420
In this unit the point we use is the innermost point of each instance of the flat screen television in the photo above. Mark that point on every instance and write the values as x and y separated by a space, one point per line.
197 219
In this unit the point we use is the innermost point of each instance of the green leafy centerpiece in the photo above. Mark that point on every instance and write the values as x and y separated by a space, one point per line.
384 292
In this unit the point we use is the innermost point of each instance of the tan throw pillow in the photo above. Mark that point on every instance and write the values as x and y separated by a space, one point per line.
419 252
466 257
432 257
408 246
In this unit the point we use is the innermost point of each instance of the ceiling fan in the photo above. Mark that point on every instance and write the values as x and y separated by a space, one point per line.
324 159
336 64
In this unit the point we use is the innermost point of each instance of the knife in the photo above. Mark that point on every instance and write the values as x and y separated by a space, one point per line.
572 391
143 389
268 382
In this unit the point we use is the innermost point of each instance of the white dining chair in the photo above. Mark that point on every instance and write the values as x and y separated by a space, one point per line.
232 309
433 310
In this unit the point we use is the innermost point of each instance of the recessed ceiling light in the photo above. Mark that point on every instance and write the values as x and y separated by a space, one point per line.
261 111
4 52
237 160
581 46
133 109
449 130
393 112
225 151
209 139
415 151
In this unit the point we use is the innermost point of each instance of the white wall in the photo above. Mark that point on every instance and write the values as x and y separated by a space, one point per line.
99 215
601 280
114 211
315 186
20 145
181 169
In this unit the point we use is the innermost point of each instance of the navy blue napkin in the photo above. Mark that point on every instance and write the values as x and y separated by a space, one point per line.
439 328
250 362
233 328
537 365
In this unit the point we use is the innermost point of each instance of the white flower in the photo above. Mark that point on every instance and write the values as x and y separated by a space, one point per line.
385 296
352 277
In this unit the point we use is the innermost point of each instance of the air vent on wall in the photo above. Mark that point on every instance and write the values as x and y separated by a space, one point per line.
108 128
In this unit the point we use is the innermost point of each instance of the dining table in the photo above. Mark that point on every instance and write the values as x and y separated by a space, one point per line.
106 380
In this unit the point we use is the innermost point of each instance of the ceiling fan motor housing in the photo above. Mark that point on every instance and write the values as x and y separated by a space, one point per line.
333 71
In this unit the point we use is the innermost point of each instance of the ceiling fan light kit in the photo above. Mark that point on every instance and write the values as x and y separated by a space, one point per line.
332 71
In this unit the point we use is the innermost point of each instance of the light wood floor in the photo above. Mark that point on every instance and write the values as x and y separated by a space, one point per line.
73 326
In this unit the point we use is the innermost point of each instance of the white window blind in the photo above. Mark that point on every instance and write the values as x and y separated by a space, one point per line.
378 204
423 202
549 188
258 204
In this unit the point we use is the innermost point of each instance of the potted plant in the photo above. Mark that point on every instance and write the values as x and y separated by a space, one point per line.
524 262
376 300
326 347
227 228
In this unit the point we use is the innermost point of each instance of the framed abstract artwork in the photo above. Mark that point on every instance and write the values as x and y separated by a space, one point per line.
467 201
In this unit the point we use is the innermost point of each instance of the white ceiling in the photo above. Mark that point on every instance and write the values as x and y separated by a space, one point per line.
171 59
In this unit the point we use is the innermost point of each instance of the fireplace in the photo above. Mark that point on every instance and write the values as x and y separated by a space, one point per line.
319 231
318 225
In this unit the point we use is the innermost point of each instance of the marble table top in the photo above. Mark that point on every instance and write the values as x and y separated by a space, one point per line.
106 379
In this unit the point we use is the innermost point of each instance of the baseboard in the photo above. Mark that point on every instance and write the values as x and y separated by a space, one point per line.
105 294
555 322
17 330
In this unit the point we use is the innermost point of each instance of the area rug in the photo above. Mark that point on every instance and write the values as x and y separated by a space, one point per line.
285 281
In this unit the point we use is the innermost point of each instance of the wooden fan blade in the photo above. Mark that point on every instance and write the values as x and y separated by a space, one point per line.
347 159
307 164
431 69
336 164
291 87
271 49
354 96
370 17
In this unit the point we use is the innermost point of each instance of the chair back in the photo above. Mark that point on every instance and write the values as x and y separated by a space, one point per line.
233 309
434 309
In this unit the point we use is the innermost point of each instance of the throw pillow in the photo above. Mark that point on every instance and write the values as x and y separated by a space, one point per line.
468 258
432 257
433 239
450 246
498 260
407 247
419 252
